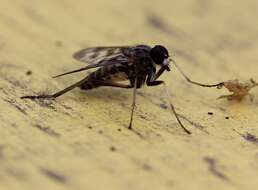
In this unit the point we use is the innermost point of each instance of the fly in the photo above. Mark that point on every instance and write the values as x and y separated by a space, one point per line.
135 64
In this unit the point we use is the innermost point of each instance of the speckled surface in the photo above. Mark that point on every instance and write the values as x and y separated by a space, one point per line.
80 141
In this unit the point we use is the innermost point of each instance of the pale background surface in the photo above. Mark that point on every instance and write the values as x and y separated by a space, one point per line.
67 144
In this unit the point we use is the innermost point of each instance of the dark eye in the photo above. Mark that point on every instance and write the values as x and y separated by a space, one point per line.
158 54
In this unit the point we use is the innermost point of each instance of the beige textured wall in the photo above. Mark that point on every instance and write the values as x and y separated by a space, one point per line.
80 141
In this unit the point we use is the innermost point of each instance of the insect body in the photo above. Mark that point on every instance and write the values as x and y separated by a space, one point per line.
135 64
129 64
122 63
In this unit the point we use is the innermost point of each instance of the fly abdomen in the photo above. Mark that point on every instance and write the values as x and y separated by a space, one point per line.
108 73
101 73
92 80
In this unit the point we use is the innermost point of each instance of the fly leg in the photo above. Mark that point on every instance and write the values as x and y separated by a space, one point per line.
155 83
133 103
119 85
114 84
61 92
218 85
57 94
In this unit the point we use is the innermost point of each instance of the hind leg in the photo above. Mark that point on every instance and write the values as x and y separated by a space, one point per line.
57 94
81 84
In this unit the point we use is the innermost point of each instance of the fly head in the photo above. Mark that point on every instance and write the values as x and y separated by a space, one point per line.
159 54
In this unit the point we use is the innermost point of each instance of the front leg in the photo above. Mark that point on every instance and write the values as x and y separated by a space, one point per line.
153 76
218 85
158 82
159 73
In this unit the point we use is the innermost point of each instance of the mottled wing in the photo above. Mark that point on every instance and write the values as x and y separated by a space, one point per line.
104 56
99 57
95 55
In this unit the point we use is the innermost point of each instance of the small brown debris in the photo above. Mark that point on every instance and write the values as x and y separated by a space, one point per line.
112 148
29 72
239 89
210 113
